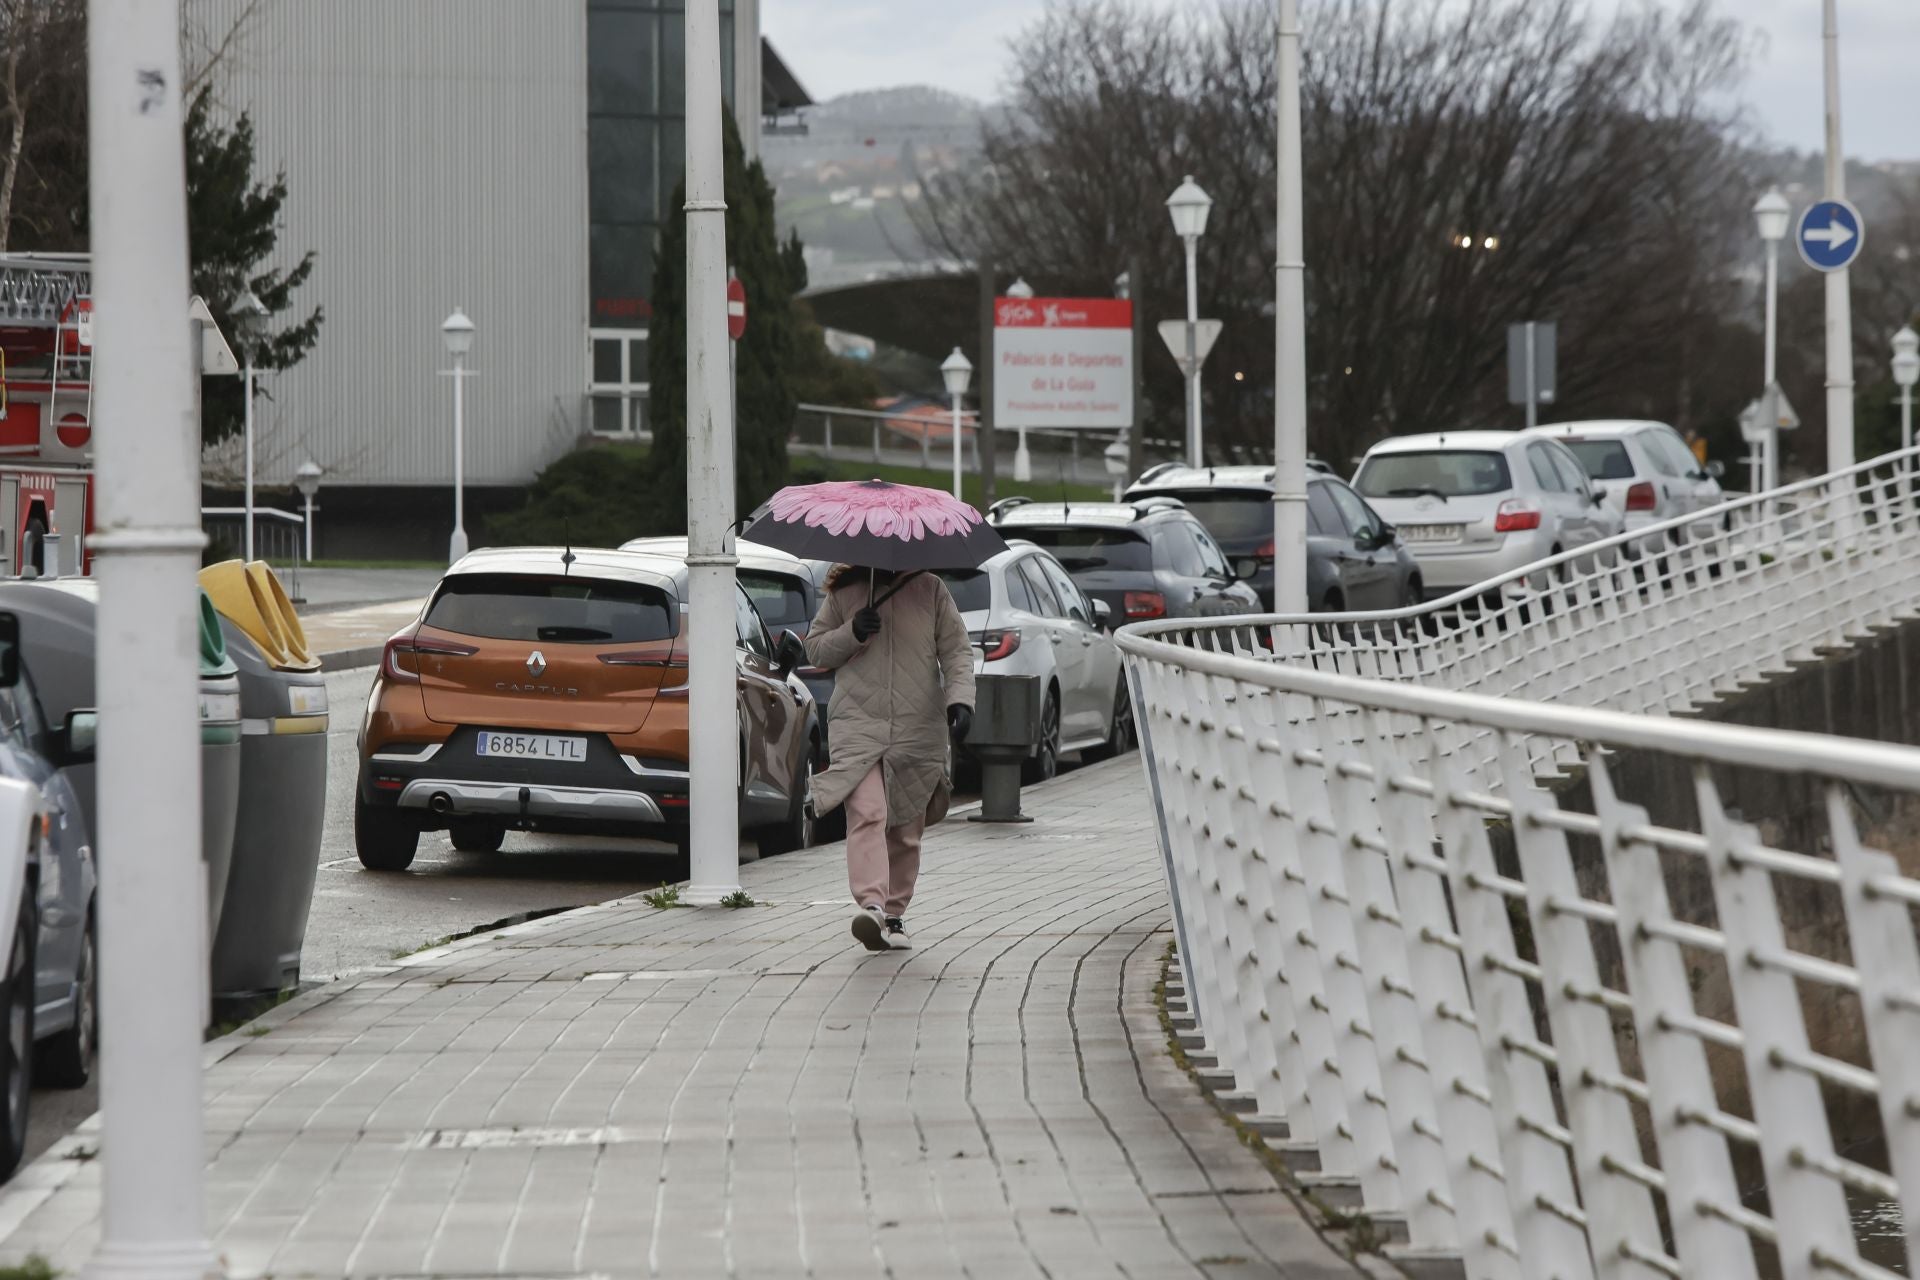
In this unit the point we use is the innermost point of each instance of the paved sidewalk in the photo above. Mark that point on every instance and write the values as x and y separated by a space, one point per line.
622 1091
345 638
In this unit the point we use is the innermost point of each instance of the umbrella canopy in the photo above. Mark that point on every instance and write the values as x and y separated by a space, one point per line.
876 524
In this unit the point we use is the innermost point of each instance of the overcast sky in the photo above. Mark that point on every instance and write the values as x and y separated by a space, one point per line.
837 46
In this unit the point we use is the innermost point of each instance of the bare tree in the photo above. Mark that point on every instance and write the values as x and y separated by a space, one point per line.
43 47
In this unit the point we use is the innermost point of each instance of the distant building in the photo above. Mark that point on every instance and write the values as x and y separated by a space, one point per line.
513 159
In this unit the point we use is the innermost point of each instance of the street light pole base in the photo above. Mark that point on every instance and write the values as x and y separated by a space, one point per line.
184 1261
707 895
457 546
1022 463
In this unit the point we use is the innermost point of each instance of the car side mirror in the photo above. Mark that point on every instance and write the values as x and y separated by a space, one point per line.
788 654
78 737
1716 468
1245 568
1103 615
1598 495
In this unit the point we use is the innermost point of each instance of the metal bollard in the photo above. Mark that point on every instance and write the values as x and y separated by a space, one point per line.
1006 720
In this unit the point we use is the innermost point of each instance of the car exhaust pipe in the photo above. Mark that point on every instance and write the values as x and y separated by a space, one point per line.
441 802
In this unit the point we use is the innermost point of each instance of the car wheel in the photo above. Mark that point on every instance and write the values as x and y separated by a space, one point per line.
384 840
1044 763
1410 592
65 1060
797 831
477 837
16 997
1120 737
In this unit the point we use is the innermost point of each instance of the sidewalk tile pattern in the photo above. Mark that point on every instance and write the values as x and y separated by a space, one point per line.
622 1091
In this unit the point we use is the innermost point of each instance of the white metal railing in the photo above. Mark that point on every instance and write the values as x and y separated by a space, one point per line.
279 538
1556 1020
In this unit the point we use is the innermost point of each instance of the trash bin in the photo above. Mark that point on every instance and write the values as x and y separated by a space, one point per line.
57 638
283 785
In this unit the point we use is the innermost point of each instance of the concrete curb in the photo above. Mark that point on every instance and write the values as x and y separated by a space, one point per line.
348 659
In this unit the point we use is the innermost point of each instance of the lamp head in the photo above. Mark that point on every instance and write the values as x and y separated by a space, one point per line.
457 329
958 372
1906 356
249 313
1773 213
1189 206
306 478
1019 289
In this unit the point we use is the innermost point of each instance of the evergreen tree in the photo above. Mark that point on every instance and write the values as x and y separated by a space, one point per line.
233 225
764 364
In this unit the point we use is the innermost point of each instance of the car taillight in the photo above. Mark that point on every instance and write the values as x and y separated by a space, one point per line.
400 662
1515 515
1266 550
995 645
1640 496
1145 604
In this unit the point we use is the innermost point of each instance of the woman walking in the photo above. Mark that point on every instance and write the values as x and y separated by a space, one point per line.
903 684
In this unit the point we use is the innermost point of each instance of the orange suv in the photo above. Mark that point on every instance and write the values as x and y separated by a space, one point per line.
545 689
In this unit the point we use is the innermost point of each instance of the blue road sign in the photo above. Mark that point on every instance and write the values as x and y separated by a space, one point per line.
1830 235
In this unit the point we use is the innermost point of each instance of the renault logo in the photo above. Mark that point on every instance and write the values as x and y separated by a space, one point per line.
536 664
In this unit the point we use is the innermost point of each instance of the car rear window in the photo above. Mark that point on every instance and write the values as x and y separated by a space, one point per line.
1603 459
780 600
559 610
1231 517
972 593
1451 473
1082 549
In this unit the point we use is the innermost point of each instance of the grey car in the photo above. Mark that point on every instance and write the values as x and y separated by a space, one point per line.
1355 560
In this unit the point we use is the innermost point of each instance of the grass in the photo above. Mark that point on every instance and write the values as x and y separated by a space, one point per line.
737 899
663 898
34 1268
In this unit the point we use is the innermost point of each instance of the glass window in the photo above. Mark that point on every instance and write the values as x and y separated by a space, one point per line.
1450 473
10 722
1322 515
561 610
607 366
1182 552
970 589
1019 595
1082 549
1359 518
32 725
1603 459
1541 460
779 599
1042 590
1229 515
621 74
1063 589
747 627
620 169
1684 462
1212 560
1665 461
1572 478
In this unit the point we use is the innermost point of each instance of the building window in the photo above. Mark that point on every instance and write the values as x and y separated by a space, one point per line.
617 382
636 145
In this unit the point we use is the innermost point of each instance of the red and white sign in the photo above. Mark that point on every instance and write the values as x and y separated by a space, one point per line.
1063 362
736 309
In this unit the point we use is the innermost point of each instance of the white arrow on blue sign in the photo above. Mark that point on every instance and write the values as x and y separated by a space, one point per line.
1830 235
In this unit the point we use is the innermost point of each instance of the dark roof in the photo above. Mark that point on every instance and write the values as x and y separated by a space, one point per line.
780 89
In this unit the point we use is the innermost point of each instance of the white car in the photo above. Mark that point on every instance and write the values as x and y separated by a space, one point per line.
1473 505
1027 618
1644 470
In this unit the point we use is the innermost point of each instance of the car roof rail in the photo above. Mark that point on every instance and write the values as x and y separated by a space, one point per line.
1005 505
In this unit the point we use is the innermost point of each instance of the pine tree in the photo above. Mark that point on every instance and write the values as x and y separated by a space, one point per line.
764 364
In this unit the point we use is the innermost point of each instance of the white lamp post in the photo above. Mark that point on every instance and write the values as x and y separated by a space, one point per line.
1839 296
1906 372
958 372
1189 207
1019 289
1773 213
306 478
249 317
457 329
1022 460
1290 325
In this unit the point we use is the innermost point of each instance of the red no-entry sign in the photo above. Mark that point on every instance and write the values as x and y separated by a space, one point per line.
736 308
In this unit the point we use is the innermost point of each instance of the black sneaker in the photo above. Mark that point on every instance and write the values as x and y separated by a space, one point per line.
897 939
869 928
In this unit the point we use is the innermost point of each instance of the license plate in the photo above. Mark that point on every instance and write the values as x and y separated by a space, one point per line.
532 746
1431 532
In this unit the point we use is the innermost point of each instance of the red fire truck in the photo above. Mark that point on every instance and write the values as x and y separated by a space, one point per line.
46 414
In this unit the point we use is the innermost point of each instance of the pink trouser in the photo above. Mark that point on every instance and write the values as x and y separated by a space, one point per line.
883 862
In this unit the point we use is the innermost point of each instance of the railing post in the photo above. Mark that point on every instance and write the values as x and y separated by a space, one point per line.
876 440
1138 683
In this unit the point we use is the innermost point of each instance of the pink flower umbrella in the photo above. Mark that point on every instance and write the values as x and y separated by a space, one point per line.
876 524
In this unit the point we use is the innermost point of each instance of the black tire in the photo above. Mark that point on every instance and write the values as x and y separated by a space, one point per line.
475 837
1044 763
1120 736
384 840
797 831
16 1047
65 1060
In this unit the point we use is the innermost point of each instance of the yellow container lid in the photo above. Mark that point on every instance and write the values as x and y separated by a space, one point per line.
293 635
251 597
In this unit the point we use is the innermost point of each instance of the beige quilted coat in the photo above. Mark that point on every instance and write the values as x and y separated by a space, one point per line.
891 694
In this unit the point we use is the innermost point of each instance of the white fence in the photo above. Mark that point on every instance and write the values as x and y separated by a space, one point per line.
1562 1020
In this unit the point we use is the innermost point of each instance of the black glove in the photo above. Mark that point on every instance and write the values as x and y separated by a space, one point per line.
959 720
866 625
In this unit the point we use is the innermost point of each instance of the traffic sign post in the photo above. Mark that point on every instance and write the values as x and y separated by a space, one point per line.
1531 365
736 325
1830 235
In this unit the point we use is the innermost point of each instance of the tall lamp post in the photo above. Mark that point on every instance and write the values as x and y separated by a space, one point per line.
306 478
1022 460
249 317
1839 296
958 372
1189 207
457 329
1906 372
1290 326
1773 213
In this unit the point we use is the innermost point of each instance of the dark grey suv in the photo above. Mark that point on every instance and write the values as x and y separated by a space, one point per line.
1146 559
1355 560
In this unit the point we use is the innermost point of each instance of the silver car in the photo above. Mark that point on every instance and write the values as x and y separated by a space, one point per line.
1473 505
1644 470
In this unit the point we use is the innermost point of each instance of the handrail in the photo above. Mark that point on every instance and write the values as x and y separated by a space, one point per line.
259 513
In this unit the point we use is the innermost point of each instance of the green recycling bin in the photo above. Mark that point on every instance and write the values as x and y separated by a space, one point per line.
283 786
219 758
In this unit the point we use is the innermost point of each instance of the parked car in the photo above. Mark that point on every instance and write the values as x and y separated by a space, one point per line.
1145 559
1473 505
52 1021
1354 558
1644 470
1027 617
546 690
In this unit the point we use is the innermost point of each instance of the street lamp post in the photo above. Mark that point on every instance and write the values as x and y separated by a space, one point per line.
1189 206
1839 297
457 329
307 480
1772 212
1906 372
249 317
1290 328
1022 460
958 372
